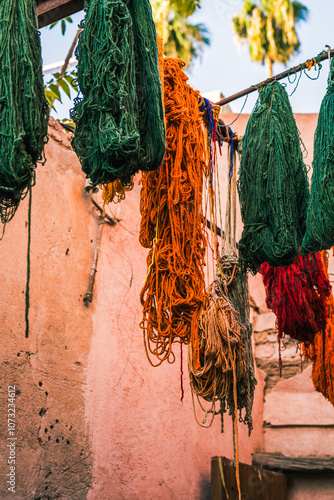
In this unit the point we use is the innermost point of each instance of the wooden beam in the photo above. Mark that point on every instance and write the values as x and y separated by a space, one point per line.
50 11
300 464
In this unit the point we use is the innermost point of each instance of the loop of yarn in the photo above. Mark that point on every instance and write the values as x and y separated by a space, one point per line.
220 345
119 120
171 224
320 213
240 397
24 109
273 186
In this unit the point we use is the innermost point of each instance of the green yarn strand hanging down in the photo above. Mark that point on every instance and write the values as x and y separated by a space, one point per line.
119 119
320 213
151 122
24 109
273 185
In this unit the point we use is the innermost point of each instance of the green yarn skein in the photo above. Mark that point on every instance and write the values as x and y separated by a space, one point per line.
320 213
119 120
24 109
273 185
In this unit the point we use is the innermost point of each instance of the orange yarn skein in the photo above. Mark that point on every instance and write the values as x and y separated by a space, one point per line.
171 224
322 351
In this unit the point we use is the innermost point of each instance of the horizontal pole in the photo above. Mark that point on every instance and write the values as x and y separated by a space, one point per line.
280 76
50 11
48 5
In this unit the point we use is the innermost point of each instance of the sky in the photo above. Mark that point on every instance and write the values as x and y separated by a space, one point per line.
225 66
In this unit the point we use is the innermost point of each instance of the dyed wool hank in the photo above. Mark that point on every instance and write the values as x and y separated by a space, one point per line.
119 120
171 225
273 186
320 213
23 107
297 295
115 191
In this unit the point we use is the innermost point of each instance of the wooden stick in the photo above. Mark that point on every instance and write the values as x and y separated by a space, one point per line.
50 11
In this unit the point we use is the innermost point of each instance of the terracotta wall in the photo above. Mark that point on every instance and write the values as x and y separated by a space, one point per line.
94 419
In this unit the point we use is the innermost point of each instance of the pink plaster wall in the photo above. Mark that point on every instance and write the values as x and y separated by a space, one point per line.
146 443
130 437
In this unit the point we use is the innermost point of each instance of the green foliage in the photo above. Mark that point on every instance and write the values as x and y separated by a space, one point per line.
62 24
57 83
269 27
181 38
185 40
185 7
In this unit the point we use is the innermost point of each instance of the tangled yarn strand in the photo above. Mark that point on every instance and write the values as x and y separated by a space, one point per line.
151 123
171 224
119 119
273 186
106 137
23 106
320 213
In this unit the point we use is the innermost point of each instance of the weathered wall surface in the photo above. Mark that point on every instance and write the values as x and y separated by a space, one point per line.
146 443
90 409
94 419
297 420
53 458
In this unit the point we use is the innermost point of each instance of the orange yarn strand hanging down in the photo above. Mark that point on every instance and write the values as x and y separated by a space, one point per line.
321 352
171 225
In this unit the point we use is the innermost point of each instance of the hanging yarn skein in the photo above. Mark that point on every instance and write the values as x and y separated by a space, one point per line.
273 186
320 213
240 398
171 225
297 295
115 191
119 120
23 107
321 351
226 370
219 330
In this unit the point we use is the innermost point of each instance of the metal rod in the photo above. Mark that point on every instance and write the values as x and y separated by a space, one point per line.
280 76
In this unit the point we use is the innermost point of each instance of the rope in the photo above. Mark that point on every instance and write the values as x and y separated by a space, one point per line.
119 118
273 186
23 107
27 295
223 477
320 213
173 294
220 345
